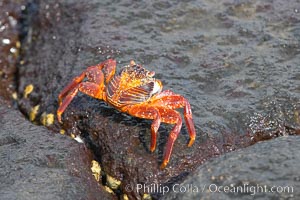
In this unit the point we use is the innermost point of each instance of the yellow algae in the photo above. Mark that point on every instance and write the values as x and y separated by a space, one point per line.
18 44
28 90
50 119
33 112
125 197
43 119
112 182
96 170
147 197
108 190
47 119
62 131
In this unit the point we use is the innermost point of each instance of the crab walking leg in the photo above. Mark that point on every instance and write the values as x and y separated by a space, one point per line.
93 73
94 88
65 103
70 87
109 68
146 112
189 122
173 101
91 89
171 116
154 129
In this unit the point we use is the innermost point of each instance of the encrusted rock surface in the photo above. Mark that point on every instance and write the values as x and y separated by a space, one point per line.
237 64
266 170
35 163
10 15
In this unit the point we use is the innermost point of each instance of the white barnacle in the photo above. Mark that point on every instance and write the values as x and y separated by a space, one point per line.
78 139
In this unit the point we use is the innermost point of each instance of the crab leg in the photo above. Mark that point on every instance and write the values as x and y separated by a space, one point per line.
162 109
159 114
66 102
154 129
173 101
146 112
91 73
171 117
93 87
70 87
189 122
165 115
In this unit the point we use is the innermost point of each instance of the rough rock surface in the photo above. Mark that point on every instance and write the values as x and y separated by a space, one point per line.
35 163
236 62
10 15
266 170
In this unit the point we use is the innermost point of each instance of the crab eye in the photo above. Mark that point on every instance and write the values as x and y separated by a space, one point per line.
151 73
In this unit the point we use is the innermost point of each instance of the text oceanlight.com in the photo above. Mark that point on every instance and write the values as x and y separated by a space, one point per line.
213 188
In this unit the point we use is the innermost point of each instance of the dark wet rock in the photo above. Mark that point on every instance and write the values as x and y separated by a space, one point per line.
10 16
122 145
50 28
225 76
254 172
229 59
37 164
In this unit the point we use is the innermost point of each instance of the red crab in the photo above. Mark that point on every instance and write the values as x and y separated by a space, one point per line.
136 92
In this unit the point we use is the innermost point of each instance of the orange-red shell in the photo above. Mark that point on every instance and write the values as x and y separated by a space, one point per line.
133 85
